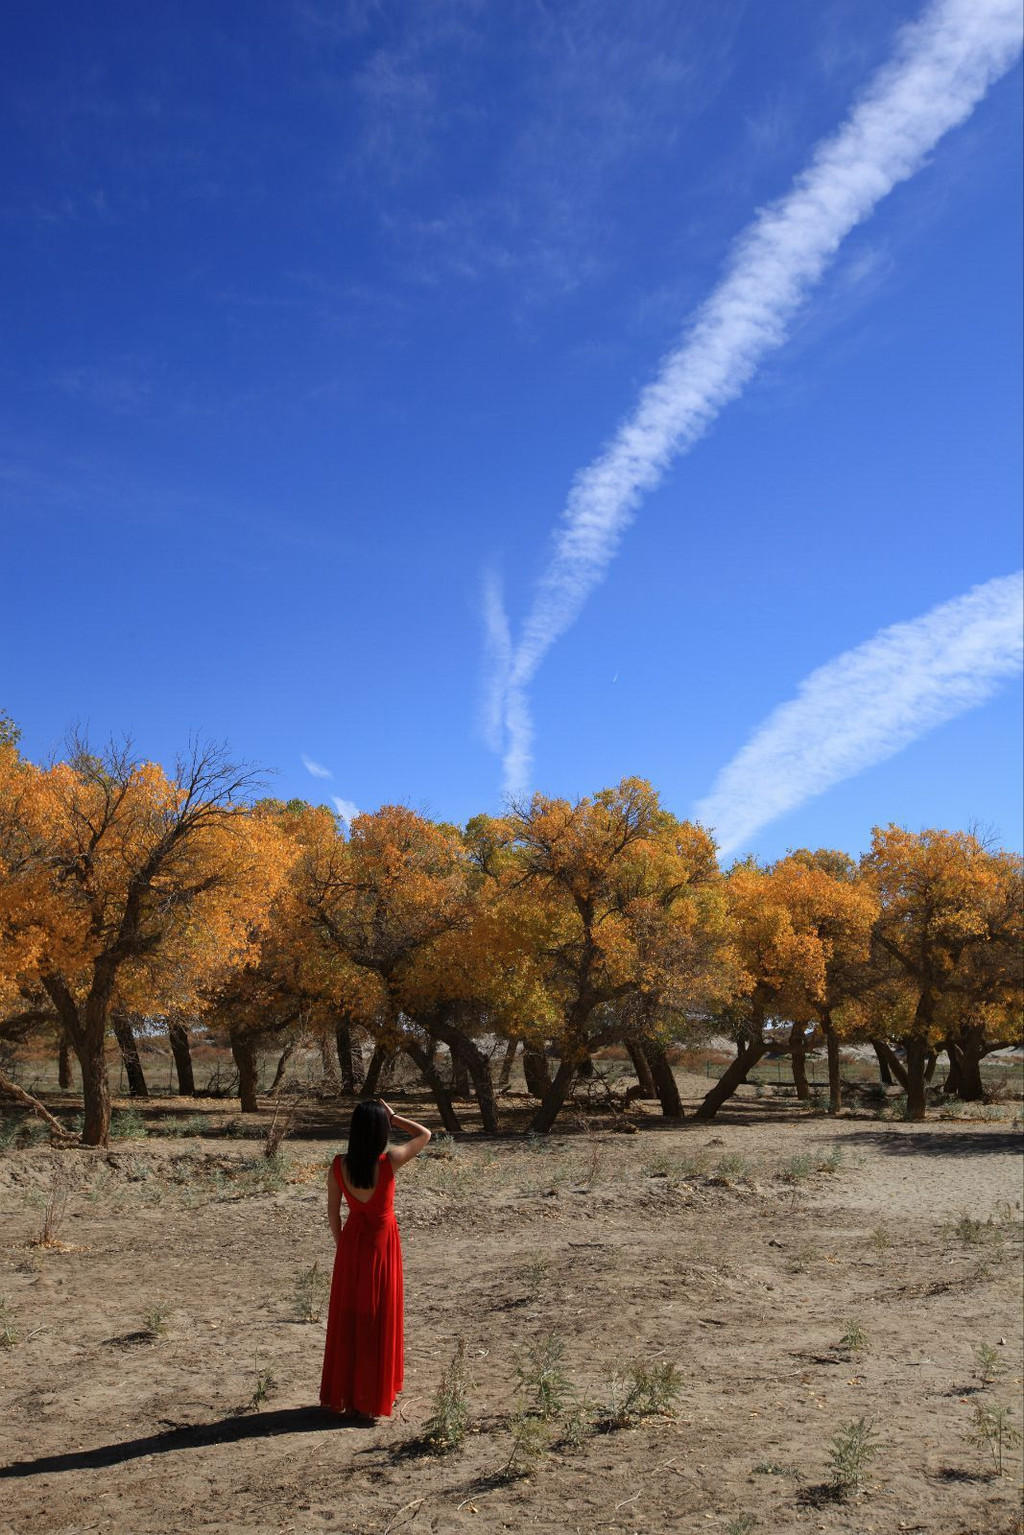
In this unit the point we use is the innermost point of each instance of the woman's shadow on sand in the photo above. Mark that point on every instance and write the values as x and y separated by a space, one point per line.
229 1430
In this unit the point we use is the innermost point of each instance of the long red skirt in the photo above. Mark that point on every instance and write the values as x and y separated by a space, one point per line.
363 1355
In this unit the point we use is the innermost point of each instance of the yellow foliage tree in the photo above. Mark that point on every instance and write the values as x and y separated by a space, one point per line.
121 886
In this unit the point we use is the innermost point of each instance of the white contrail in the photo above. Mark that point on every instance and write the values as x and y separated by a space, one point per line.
942 66
347 810
316 768
868 704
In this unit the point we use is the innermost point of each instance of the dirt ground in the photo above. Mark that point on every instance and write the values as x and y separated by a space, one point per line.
743 1252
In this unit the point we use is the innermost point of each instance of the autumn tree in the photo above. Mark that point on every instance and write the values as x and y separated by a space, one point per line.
119 884
629 904
945 950
379 901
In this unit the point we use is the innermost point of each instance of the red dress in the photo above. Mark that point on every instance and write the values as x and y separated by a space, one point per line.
363 1357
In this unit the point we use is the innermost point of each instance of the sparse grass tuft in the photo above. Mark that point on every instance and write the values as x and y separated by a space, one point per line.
9 1334
127 1125
446 1427
880 1239
265 1383
797 1169
312 1287
742 1525
732 1167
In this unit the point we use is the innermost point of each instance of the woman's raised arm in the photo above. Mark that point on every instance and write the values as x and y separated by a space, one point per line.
398 1155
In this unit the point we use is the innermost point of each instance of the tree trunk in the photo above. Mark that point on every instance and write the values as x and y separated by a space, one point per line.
665 1085
555 1096
459 1076
507 1062
282 1066
890 1067
380 1063
346 1057
642 1067
177 1036
930 1063
835 1079
424 1061
917 1053
965 1057
243 1048
747 1056
474 1065
536 1071
64 1080
130 1055
798 1052
95 1089
329 1067
884 1074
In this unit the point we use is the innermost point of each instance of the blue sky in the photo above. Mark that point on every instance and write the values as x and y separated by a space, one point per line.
312 313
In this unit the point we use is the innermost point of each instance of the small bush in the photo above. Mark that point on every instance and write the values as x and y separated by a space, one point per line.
854 1339
988 1364
312 1288
732 1167
542 1381
969 1231
641 1391
991 1429
155 1321
531 1438
852 1448
446 1426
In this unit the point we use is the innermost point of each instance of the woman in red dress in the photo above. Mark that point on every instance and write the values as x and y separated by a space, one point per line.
362 1372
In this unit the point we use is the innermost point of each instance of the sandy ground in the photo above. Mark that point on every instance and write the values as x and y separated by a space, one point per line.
742 1252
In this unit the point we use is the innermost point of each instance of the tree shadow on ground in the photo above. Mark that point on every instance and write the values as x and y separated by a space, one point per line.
922 1143
192 1436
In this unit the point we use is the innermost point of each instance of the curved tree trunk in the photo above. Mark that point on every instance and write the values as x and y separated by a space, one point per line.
890 1068
380 1064
282 1067
474 1064
329 1067
64 1079
555 1096
536 1071
346 1057
424 1061
243 1049
642 1067
665 1085
747 1056
125 1037
177 1037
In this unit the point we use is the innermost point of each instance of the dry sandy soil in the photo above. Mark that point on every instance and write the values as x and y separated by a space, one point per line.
741 1252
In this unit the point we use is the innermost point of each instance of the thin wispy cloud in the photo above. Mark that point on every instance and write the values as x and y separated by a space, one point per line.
867 705
346 808
317 769
941 68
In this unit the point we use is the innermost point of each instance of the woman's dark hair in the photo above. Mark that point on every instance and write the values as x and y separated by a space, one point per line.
367 1138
